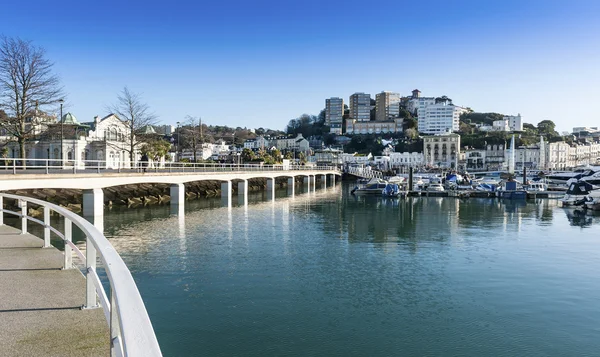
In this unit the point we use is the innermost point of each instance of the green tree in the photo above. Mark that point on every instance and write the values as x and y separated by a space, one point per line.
248 155
156 148
547 128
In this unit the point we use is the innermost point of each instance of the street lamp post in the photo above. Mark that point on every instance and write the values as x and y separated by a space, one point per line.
61 101
177 147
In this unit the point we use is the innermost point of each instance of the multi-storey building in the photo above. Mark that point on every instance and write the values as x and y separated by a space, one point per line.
387 106
442 150
360 107
260 142
495 157
406 159
439 118
514 122
374 127
416 102
475 160
557 155
334 114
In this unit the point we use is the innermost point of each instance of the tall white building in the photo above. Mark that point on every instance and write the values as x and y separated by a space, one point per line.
360 107
417 102
439 118
334 114
387 106
514 122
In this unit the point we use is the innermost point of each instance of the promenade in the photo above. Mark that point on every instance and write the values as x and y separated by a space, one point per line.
40 303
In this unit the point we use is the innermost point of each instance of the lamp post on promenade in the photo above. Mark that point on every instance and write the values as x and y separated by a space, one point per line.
61 101
177 147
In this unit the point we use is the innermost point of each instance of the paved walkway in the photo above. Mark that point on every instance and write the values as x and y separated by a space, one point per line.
40 311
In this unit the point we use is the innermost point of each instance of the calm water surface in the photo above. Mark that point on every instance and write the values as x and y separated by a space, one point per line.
328 274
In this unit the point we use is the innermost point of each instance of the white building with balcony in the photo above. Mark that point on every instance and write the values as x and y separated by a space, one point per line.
442 150
439 118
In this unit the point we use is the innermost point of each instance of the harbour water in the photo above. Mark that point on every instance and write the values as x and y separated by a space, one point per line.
329 274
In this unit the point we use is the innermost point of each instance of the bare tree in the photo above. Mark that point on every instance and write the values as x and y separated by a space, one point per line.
191 134
135 114
26 84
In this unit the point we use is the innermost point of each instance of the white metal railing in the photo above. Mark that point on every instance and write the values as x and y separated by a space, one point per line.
50 166
363 172
131 332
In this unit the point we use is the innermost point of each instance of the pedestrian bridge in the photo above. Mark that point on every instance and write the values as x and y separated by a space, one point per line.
128 331
94 177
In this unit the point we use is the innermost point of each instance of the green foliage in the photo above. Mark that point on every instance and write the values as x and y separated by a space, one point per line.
480 118
307 125
547 128
247 155
154 148
365 144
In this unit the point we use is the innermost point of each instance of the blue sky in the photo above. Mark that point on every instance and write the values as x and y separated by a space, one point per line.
262 63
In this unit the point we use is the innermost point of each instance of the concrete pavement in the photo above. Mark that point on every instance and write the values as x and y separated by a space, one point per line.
40 304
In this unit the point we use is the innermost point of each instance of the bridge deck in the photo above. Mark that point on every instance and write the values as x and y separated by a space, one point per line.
39 303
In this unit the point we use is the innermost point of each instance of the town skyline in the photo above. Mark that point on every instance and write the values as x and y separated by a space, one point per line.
260 65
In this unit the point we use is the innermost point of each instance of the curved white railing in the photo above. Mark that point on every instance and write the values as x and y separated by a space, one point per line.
131 331
49 166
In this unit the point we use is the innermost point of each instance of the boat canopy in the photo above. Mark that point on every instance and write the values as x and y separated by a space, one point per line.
580 188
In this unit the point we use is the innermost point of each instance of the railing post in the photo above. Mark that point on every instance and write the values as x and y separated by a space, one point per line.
14 166
90 264
1 210
23 205
46 227
114 325
68 238
47 171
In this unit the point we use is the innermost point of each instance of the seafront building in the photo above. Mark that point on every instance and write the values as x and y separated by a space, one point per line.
334 114
105 139
442 150
374 127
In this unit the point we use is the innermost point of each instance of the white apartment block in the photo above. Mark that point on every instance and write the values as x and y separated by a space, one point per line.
255 144
334 114
298 143
557 155
416 101
360 107
439 118
406 159
374 127
387 106
442 150
515 123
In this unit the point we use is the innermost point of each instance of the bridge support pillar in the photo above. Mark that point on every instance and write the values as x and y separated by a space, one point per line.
271 188
243 188
324 182
313 182
243 192
93 202
333 180
93 207
291 186
226 193
306 182
177 191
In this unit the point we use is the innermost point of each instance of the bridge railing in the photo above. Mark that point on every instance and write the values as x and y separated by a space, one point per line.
131 332
50 166
363 172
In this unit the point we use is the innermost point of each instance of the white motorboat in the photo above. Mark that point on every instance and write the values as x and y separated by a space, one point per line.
580 193
373 186
435 187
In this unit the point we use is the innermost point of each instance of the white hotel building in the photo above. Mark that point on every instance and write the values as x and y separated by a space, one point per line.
334 114
439 118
